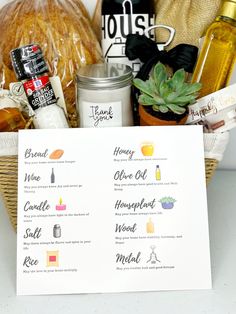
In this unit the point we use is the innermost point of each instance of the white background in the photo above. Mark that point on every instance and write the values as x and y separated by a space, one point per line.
229 161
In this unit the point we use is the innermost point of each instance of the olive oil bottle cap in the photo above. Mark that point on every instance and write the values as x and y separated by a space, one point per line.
228 9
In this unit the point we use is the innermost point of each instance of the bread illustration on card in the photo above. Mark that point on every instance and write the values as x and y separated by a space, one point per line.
56 154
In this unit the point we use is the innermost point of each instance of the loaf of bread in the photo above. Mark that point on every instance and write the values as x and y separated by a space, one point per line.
64 32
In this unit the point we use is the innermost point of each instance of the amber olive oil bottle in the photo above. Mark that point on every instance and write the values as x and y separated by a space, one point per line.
217 58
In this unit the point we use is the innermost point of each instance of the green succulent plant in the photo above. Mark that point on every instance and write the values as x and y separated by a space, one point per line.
166 94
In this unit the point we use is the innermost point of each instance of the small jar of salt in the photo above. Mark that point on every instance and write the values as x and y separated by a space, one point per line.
104 95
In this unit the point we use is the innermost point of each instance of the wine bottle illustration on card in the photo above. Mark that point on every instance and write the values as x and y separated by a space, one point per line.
52 176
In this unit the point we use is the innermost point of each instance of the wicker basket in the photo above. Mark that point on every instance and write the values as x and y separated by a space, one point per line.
8 186
8 183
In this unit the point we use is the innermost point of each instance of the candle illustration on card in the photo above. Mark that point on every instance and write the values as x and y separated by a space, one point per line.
52 258
60 206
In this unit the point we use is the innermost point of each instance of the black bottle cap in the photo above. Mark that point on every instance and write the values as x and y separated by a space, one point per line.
28 61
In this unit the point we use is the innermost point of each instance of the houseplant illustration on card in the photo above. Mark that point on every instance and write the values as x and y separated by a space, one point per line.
164 99
167 202
60 206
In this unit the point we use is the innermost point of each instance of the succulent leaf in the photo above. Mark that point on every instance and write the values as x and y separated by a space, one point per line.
171 97
151 84
155 107
183 100
178 79
163 109
146 100
164 89
176 109
159 100
160 75
190 89
144 87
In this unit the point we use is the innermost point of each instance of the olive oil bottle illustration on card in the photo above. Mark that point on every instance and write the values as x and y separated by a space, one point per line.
158 173
52 176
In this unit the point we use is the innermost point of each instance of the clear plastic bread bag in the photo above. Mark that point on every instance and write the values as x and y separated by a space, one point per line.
64 32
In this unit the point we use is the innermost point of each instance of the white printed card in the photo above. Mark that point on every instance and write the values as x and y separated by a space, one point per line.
112 210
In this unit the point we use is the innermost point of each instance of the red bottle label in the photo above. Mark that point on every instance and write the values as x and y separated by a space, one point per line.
39 92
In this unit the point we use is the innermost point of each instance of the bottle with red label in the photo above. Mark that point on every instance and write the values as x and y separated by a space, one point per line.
120 18
30 68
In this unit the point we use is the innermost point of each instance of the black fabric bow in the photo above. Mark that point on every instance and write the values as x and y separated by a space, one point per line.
139 46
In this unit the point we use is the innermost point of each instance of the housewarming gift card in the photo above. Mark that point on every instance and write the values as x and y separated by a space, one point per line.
112 210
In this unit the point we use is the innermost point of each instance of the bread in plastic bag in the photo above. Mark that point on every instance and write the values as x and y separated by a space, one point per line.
64 32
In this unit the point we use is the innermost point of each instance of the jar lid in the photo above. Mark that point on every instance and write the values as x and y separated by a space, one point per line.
104 75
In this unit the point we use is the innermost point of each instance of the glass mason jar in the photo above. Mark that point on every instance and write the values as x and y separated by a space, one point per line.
104 95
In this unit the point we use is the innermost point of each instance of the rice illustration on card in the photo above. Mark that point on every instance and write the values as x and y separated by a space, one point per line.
52 258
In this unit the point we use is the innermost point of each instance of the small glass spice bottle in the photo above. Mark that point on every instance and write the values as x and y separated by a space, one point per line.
104 95
30 68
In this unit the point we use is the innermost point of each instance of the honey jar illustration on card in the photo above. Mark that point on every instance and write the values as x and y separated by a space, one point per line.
147 149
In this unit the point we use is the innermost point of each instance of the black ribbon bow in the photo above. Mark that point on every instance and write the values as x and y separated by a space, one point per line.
141 47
